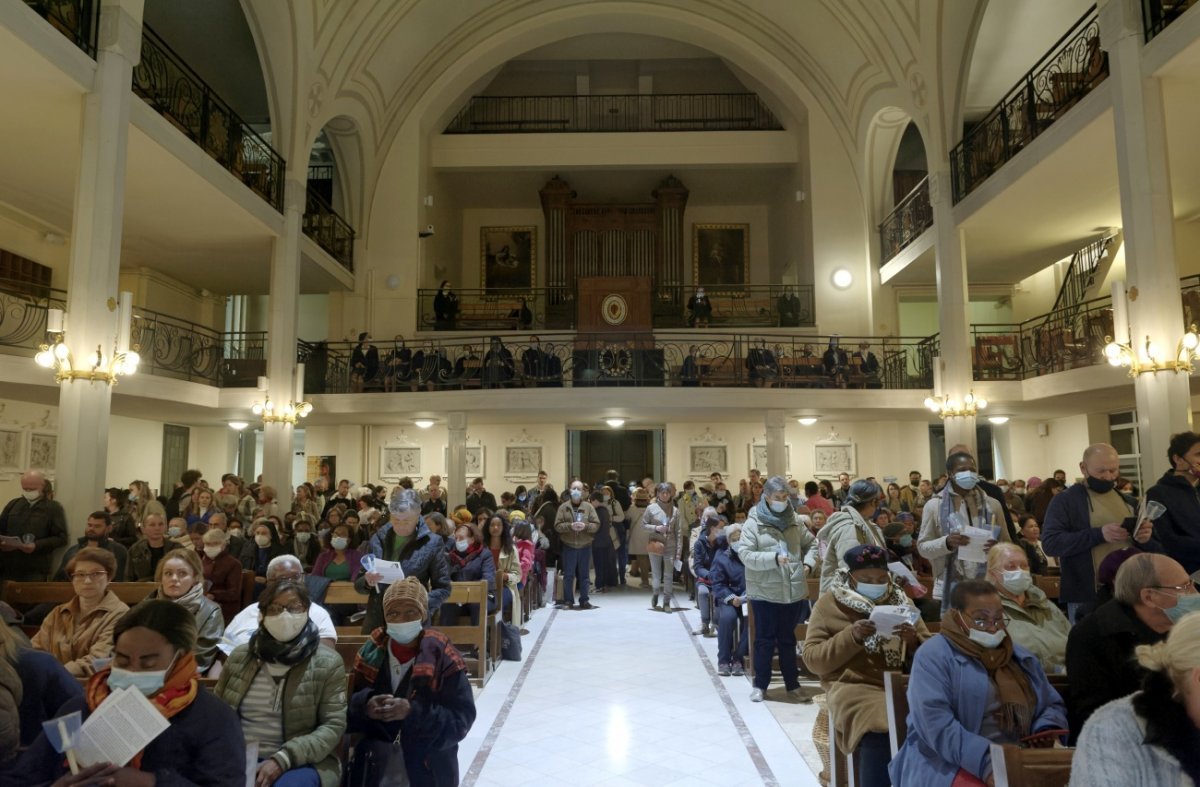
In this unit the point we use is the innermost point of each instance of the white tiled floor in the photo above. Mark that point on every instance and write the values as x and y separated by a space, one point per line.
619 695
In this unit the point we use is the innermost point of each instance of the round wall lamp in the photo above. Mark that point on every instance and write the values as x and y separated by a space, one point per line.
615 423
807 420
423 423
842 278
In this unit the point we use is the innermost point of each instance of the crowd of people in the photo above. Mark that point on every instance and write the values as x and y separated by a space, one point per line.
955 561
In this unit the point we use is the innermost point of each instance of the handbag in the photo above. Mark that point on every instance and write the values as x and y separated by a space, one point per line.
656 548
510 642
376 763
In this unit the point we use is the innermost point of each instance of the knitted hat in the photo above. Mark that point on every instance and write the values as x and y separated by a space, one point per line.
1033 483
406 594
461 515
516 516
862 556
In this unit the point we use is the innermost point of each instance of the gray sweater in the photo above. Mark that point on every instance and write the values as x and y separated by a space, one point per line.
1111 752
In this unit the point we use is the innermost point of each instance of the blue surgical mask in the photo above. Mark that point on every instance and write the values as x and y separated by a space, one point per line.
873 592
148 683
1183 606
576 494
404 632
906 541
463 545
966 479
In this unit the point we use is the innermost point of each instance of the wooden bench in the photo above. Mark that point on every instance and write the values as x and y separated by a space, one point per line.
25 595
737 310
1013 766
1050 585
504 314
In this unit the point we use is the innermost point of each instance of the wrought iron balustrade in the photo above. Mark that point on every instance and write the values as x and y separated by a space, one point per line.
330 231
23 308
740 306
590 360
1066 338
906 222
567 114
170 347
164 81
75 19
1158 14
1072 68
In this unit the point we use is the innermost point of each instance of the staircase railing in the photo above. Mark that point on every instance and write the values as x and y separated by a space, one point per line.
911 217
1081 275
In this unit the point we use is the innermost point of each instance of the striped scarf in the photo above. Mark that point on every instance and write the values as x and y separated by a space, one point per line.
437 660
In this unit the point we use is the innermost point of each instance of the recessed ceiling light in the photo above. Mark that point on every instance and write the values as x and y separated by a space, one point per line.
807 420
238 425
423 423
842 278
998 419
615 423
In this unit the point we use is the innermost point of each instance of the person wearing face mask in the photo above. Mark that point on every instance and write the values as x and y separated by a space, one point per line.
1151 737
289 693
711 542
1151 594
1088 521
152 653
410 685
1035 623
850 527
777 552
850 657
180 579
304 544
662 521
728 580
958 505
699 309
222 573
972 686
259 551
1178 528
31 514
445 308
577 523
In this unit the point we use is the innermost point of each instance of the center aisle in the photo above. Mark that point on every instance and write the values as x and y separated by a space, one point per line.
621 695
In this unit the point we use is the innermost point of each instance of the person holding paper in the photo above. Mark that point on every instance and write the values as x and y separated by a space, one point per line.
576 522
30 514
80 631
972 686
958 506
845 650
1035 623
850 527
202 743
663 522
1088 521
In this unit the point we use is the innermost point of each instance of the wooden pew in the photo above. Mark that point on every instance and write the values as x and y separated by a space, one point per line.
28 594
1049 585
1013 766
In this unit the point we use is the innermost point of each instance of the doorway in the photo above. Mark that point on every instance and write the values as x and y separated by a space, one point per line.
633 453
174 456
984 460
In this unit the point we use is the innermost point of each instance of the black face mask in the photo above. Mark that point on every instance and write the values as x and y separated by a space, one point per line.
1100 486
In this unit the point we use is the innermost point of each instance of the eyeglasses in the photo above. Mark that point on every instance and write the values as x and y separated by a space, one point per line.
984 622
275 609
94 576
1186 589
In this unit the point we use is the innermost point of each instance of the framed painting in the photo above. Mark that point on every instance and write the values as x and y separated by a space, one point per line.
832 458
397 461
522 461
43 452
508 258
704 459
721 256
12 450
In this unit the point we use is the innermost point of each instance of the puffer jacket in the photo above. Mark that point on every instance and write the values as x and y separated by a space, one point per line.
728 575
703 556
766 580
210 626
845 530
314 698
423 557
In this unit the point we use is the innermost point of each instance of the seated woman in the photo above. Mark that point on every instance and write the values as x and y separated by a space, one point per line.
843 648
45 685
340 561
1151 737
81 630
971 686
1035 623
181 579
1031 542
260 549
506 562
728 578
153 653
222 573
304 543
289 692
410 684
469 562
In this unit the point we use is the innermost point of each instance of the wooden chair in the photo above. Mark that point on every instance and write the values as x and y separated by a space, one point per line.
895 695
1013 766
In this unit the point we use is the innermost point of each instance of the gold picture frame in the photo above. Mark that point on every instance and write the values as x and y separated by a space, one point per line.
721 256
508 258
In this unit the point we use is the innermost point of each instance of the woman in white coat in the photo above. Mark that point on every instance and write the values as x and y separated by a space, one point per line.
664 524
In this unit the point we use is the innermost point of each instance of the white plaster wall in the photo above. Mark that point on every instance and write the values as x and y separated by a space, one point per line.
1023 453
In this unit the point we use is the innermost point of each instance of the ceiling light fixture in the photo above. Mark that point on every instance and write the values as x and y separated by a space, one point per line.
615 423
238 425
807 420
423 423
997 419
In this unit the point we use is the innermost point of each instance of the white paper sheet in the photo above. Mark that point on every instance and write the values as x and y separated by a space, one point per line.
124 724
973 552
904 573
389 571
887 617
251 763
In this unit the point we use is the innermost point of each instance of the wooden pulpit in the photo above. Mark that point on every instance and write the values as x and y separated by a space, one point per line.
614 304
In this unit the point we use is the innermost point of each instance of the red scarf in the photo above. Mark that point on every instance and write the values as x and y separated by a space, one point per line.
461 559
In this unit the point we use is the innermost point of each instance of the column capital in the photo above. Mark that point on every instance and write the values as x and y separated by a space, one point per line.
120 29
1119 19
775 419
295 194
456 420
939 186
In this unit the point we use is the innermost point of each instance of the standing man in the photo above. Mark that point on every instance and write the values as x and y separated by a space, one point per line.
910 494
1178 529
996 493
479 498
32 527
1086 522
342 496
96 534
577 523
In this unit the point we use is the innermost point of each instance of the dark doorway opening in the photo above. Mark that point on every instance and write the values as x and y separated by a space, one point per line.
983 454
631 452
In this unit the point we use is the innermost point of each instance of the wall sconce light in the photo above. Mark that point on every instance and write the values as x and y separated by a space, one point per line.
93 367
842 279
1149 358
295 409
948 406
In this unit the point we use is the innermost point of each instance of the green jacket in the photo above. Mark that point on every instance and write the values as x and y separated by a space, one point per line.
766 580
314 698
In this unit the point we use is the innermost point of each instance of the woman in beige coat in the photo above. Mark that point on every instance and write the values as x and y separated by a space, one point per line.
81 631
843 648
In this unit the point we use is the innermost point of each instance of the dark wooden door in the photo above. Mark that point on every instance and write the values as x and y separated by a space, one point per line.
629 452
174 456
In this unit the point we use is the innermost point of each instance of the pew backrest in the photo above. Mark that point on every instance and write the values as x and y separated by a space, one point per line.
28 594
1013 766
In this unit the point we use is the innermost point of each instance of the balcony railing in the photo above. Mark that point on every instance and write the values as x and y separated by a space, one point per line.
76 19
184 350
328 229
165 82
585 361
23 312
906 222
752 305
1069 71
566 114
1158 14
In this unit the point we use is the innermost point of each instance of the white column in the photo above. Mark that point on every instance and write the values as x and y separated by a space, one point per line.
776 423
1147 216
955 330
281 339
84 407
456 470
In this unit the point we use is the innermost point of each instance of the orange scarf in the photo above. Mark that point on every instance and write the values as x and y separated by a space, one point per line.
178 692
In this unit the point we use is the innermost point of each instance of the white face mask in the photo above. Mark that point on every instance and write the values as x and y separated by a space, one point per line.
175 532
235 533
212 552
285 626
779 506
263 540
30 495
462 546
148 683
302 537
339 542
987 639
1016 581
404 632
